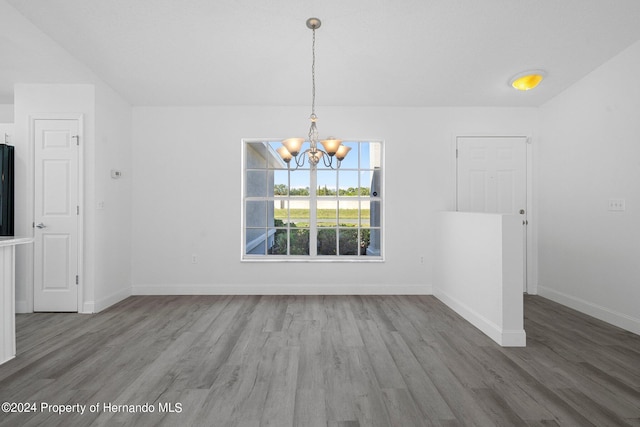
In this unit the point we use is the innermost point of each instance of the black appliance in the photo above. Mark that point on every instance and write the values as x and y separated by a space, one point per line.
6 190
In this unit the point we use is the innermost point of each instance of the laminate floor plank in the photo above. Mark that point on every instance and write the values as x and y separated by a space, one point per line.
431 404
309 361
384 367
334 359
310 409
369 400
497 408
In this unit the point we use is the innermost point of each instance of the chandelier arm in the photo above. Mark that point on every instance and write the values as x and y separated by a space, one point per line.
300 159
325 156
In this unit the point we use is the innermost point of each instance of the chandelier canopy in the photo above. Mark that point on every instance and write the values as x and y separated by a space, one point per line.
333 147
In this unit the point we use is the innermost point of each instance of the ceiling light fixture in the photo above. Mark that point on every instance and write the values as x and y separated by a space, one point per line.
527 80
290 148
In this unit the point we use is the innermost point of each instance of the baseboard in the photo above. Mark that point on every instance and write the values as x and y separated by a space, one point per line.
505 338
98 306
605 314
88 307
259 289
516 338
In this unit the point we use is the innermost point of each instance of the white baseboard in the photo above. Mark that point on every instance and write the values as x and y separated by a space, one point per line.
98 306
605 314
88 307
505 338
258 289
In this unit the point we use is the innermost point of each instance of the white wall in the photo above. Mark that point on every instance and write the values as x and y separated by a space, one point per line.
479 272
111 199
589 258
107 233
187 159
30 56
6 113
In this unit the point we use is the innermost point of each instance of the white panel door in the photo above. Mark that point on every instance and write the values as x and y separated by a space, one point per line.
492 175
56 214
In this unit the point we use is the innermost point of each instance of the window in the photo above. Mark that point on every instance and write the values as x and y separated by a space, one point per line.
312 213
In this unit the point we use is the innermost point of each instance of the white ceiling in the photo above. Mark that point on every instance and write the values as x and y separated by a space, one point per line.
369 52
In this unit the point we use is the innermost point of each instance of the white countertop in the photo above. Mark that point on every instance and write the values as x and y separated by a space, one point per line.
14 240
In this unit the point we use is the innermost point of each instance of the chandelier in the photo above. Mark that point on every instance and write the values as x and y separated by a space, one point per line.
333 148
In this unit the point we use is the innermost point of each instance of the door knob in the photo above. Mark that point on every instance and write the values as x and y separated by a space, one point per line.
521 211
41 225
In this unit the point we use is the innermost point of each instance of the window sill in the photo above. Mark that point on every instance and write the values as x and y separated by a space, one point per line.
318 259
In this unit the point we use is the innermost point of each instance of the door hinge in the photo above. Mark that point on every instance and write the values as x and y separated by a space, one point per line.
77 210
77 280
456 153
77 137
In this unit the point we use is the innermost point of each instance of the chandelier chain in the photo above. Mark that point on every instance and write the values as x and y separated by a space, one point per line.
313 74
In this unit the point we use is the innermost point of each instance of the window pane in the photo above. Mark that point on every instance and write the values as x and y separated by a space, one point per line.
256 214
348 183
365 213
255 241
256 183
280 212
326 213
299 212
370 155
256 155
300 182
348 212
280 183
349 243
278 242
327 241
327 183
370 184
299 241
371 239
375 213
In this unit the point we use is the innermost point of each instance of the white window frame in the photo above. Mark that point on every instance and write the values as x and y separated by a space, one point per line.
313 199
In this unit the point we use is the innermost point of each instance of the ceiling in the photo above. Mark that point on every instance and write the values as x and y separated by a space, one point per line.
369 52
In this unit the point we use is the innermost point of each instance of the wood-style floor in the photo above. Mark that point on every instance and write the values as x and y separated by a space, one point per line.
319 361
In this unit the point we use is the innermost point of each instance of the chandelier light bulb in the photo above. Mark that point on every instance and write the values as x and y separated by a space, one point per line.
284 153
293 145
331 145
342 152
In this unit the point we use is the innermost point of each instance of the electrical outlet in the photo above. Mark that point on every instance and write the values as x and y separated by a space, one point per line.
194 259
616 205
